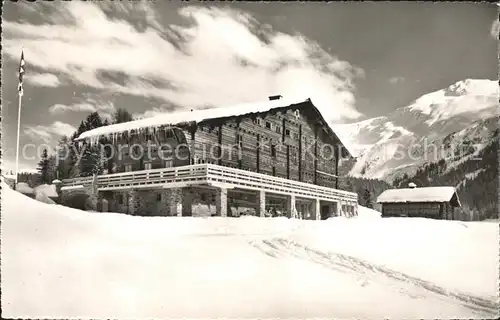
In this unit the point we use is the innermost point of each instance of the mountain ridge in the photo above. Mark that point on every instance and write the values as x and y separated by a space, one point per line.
379 142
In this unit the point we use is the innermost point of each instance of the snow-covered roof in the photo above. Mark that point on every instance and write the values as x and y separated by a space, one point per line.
176 118
425 194
182 117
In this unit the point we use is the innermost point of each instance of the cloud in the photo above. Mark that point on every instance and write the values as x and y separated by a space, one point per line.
46 133
106 109
218 57
396 80
43 79
150 113
495 29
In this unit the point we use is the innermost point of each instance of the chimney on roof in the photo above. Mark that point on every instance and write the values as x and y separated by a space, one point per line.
277 97
411 185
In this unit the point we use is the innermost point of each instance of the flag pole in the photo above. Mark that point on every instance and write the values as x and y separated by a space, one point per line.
20 99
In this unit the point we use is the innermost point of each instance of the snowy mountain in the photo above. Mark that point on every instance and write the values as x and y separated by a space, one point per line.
389 146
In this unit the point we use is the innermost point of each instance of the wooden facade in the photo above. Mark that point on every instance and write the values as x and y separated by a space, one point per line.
433 210
290 142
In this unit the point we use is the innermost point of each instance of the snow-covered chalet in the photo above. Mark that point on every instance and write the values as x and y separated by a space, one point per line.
426 202
276 157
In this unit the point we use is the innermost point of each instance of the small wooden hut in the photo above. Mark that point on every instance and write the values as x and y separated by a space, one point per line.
427 202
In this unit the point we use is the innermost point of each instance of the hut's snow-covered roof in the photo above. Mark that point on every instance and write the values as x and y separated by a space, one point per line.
424 194
176 118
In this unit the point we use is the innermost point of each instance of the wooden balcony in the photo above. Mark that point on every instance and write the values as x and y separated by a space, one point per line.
209 175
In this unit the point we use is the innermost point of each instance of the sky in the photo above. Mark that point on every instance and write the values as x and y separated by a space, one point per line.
354 60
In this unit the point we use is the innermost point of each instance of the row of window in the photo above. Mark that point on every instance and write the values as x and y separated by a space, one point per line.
272 126
168 163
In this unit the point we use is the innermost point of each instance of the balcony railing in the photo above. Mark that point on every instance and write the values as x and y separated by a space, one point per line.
210 174
77 182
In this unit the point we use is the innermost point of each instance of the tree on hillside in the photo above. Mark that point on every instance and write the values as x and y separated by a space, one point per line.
122 115
93 121
374 186
52 168
367 199
43 167
63 165
91 161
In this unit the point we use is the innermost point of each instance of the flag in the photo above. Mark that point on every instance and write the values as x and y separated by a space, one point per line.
21 74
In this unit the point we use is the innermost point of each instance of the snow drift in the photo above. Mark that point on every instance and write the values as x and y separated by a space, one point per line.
59 262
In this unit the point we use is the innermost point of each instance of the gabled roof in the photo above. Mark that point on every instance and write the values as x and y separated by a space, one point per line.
425 194
197 116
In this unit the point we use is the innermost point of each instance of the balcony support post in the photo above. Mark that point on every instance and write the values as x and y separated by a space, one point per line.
187 202
261 203
175 202
221 202
131 202
291 211
316 206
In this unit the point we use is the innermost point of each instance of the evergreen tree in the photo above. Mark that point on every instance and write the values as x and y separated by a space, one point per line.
93 121
122 115
52 167
92 160
43 167
367 199
63 159
72 159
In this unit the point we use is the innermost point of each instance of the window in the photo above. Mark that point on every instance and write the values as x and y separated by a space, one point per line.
257 121
269 125
296 136
274 171
128 167
278 129
169 163
120 198
136 151
158 197
147 166
287 132
124 150
239 140
273 150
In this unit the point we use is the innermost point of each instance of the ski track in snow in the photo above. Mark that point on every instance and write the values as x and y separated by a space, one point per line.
283 248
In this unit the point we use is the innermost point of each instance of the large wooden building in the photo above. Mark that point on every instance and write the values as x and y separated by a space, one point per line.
273 156
426 202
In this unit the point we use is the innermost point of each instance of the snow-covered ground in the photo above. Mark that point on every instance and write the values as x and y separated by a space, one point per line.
60 263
